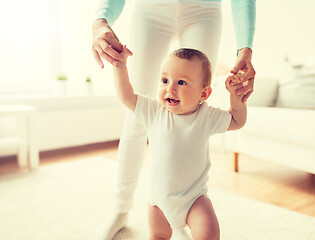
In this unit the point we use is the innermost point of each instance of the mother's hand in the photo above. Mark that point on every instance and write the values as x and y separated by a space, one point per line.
106 44
244 64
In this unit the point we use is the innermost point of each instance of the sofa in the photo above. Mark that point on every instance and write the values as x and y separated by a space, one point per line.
275 131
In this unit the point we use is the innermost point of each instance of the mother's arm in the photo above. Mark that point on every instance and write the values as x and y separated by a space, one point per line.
106 44
244 18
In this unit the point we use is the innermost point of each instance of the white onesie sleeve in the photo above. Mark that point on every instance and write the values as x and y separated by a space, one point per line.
145 110
218 120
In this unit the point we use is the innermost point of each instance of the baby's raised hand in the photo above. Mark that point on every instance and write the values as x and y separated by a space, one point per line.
235 82
237 79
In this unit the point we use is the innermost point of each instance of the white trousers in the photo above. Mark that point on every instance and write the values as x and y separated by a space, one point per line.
194 24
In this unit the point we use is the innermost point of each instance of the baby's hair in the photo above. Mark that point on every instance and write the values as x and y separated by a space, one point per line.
188 53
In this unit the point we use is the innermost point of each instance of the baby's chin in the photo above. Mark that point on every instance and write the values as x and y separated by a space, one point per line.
179 111
177 108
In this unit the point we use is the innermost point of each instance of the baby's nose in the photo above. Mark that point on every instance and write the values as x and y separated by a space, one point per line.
171 88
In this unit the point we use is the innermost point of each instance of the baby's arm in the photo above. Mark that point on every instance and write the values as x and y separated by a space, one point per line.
238 109
123 86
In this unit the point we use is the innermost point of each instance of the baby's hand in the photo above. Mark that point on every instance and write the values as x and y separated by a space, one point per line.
235 82
125 55
237 79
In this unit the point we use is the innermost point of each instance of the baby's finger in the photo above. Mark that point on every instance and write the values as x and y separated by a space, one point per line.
231 78
232 83
229 86
236 81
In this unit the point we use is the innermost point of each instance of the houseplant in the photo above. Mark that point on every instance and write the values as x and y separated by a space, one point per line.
61 84
89 85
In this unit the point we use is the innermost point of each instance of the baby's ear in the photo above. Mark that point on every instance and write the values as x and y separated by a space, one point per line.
206 93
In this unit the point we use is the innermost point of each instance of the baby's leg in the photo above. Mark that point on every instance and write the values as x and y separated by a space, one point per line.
160 229
203 221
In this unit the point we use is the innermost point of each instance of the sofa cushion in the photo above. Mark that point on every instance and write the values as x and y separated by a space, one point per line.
296 96
265 92
289 125
264 95
297 85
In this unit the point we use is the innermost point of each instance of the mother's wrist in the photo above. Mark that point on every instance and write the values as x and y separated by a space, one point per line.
100 21
245 51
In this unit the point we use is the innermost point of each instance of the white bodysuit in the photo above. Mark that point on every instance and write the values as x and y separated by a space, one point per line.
179 146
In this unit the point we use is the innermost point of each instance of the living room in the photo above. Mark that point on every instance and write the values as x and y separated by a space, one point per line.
61 145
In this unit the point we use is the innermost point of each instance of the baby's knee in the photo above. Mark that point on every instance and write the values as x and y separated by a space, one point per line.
160 233
207 233
212 233
156 236
215 235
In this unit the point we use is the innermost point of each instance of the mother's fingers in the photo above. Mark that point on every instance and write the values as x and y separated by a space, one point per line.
104 55
97 57
111 39
250 72
246 88
129 52
108 49
246 96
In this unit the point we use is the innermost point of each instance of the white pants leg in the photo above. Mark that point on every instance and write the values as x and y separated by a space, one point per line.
199 27
154 25
149 42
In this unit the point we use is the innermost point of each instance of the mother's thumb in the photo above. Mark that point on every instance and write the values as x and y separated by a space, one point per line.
238 66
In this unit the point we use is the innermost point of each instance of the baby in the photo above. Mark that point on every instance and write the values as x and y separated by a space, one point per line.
179 125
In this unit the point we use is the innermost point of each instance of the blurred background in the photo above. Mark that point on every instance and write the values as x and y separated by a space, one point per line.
72 113
46 62
43 38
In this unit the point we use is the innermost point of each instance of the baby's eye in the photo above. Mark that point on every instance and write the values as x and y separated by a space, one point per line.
182 82
164 80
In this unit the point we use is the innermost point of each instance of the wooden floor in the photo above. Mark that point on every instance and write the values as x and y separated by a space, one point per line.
257 179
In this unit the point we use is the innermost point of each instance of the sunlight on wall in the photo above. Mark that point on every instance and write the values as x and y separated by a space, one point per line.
36 43
283 28
76 41
24 45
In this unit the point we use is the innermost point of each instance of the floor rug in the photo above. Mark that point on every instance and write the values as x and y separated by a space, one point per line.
73 200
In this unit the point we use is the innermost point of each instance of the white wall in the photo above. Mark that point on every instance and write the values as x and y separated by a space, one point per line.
76 41
69 121
283 27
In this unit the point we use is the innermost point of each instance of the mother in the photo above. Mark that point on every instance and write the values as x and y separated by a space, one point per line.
196 24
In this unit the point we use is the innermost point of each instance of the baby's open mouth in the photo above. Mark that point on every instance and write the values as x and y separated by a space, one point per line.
172 101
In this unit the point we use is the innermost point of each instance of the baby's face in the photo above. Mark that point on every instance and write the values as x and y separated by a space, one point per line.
181 84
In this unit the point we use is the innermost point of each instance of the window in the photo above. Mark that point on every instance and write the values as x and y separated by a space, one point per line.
27 40
41 38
